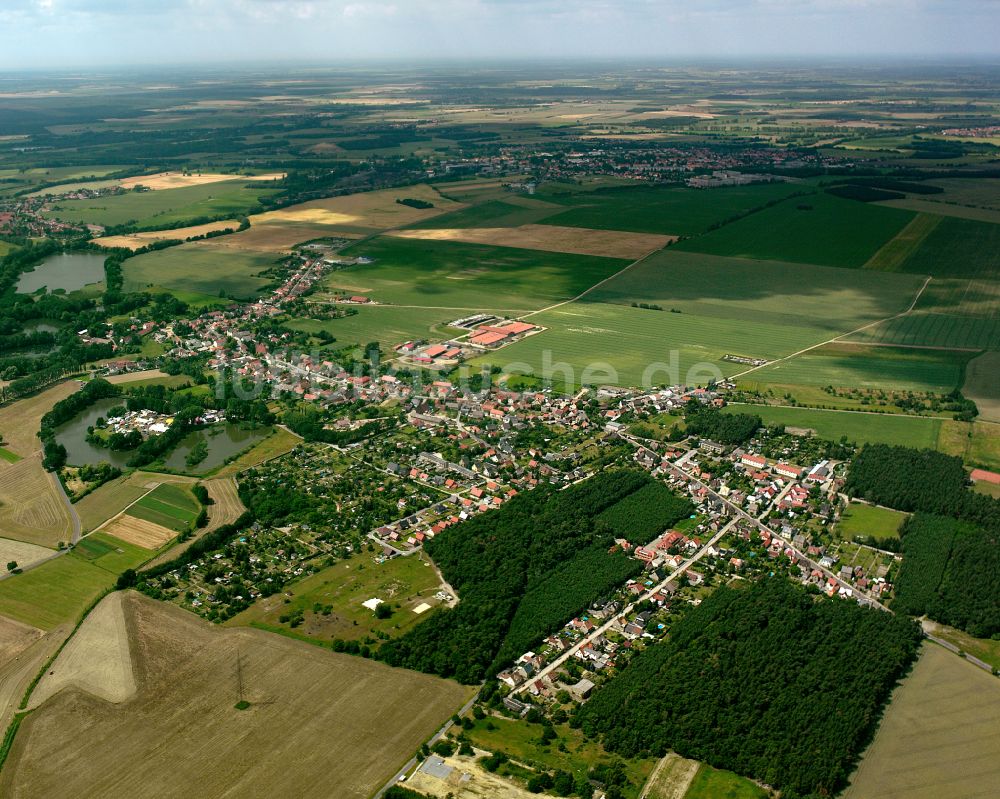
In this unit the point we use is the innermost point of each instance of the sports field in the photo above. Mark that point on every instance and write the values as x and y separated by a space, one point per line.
937 737
302 700
816 229
387 324
200 267
670 210
632 346
232 197
842 365
458 275
861 428
869 520
959 248
761 291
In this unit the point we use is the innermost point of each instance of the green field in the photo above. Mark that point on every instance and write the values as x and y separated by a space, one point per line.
110 553
959 248
982 385
7 455
168 505
468 276
934 330
6 248
387 324
897 250
711 783
842 365
869 520
54 593
632 346
817 229
408 581
493 213
200 269
761 291
165 206
672 210
861 428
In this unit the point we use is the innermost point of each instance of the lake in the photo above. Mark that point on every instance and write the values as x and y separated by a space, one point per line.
68 270
223 441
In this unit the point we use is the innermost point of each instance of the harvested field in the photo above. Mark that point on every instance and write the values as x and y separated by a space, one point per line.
15 637
179 180
367 212
671 778
345 723
982 385
96 659
31 507
276 237
937 737
19 421
22 553
145 374
552 238
139 532
23 651
137 241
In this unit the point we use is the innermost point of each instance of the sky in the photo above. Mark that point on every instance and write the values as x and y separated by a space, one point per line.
40 34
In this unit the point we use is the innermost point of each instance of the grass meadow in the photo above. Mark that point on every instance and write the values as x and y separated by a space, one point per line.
55 592
468 276
816 229
167 206
869 520
387 324
859 427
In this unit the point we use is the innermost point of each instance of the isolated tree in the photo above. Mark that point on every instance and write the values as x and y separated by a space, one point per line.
12 566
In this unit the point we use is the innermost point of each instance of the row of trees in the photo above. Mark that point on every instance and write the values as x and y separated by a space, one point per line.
543 550
764 680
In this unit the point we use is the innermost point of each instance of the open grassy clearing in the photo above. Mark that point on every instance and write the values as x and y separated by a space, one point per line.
869 520
387 324
20 421
711 783
458 275
735 288
959 248
184 669
937 737
982 385
977 443
232 197
669 210
859 427
200 267
817 229
365 212
31 506
136 241
582 241
843 365
894 253
408 581
631 346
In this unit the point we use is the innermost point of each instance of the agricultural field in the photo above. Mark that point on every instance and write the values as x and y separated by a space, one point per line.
846 364
959 248
184 668
977 443
165 207
21 553
467 276
135 241
155 182
167 505
202 268
55 592
925 205
982 385
869 520
32 508
673 211
410 582
276 237
363 213
387 324
897 250
937 737
508 212
113 497
20 421
816 229
858 427
632 346
581 241
827 298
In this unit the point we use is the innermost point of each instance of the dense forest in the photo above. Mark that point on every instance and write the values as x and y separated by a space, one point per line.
765 680
642 516
726 428
950 572
521 571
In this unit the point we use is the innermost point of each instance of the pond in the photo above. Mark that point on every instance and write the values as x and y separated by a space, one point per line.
224 441
68 270
73 436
